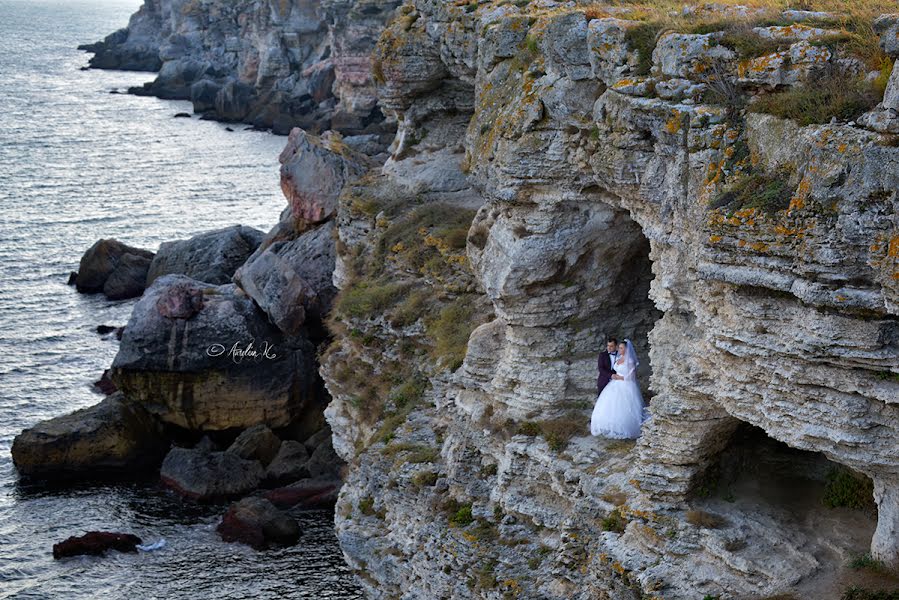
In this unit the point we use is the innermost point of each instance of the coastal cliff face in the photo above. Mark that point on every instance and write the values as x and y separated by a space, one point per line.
274 64
554 180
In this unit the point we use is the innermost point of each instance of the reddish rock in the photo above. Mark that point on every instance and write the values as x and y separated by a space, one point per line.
104 385
313 172
180 301
309 493
96 543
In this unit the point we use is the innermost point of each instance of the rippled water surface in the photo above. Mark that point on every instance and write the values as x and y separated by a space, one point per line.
78 163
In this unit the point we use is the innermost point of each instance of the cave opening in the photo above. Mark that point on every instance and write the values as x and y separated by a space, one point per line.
630 312
639 311
762 495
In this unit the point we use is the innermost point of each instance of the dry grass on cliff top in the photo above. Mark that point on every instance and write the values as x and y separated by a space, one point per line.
871 8
853 19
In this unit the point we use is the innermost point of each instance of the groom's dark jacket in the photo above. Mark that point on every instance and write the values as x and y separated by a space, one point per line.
605 371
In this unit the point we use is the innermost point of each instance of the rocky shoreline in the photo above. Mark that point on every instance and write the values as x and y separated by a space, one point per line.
215 384
294 64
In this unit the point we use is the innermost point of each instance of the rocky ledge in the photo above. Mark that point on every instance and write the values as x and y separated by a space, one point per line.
718 184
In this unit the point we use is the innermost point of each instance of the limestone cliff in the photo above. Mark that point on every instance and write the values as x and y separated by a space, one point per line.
275 64
564 173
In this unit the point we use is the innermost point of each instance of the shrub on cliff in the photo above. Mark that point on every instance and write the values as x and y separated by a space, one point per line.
767 192
833 94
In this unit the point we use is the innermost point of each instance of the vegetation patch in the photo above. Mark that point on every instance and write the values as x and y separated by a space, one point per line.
365 299
767 192
858 593
615 521
424 479
642 39
459 513
851 490
833 94
558 432
411 453
865 562
450 331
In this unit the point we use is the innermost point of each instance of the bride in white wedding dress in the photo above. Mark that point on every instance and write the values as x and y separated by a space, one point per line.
619 411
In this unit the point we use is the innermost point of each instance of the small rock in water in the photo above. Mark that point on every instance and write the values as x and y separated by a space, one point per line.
182 115
73 278
256 522
228 129
106 329
96 543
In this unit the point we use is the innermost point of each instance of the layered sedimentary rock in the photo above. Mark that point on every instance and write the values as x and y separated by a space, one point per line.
205 357
607 182
272 64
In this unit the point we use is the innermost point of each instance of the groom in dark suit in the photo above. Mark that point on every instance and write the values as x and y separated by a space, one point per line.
606 358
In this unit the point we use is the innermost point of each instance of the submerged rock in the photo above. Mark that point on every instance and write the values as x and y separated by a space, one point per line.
258 523
115 436
212 256
205 357
204 476
96 543
116 269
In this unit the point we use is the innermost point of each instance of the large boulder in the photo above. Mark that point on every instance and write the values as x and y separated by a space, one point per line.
96 543
212 256
116 269
258 523
114 436
206 476
205 357
256 443
289 464
291 279
313 172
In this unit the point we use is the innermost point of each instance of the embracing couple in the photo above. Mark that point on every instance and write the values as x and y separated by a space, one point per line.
619 412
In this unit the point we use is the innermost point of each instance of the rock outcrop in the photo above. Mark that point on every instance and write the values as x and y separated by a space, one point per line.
211 257
115 436
275 65
609 174
117 270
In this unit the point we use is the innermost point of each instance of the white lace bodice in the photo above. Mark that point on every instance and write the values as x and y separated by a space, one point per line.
625 369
